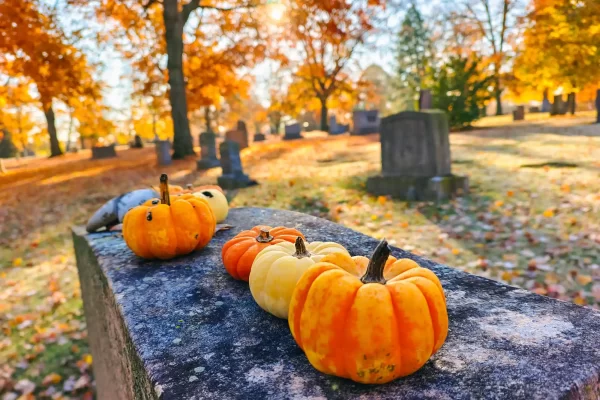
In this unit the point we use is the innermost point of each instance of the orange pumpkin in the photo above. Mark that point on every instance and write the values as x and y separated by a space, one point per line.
170 226
239 253
370 322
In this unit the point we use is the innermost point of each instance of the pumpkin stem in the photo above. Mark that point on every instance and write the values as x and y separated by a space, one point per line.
164 190
376 265
189 186
301 251
264 236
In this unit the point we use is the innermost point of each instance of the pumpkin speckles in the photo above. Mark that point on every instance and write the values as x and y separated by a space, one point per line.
170 226
371 321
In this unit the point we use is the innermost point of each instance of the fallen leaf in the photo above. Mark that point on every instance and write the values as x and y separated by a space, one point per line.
549 213
583 279
17 262
51 379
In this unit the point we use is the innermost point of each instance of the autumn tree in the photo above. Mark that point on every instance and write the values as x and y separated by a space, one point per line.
495 21
328 33
560 46
176 14
34 47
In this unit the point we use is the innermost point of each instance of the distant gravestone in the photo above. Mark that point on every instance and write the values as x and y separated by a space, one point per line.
259 137
137 142
292 132
100 152
558 107
519 113
534 109
163 152
237 136
570 106
415 158
233 176
365 122
7 147
425 100
208 151
546 105
598 106
335 128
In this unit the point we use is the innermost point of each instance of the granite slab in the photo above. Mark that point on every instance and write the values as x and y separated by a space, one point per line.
184 329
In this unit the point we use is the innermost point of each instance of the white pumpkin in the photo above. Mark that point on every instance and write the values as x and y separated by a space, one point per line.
217 201
277 269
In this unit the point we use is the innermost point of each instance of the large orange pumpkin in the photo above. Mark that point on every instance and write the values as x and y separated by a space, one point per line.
356 321
170 226
239 253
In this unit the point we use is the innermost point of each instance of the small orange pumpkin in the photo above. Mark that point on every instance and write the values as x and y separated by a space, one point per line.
239 253
371 327
161 228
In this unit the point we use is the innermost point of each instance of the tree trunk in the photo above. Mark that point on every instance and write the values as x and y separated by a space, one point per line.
207 118
324 112
68 146
49 113
173 19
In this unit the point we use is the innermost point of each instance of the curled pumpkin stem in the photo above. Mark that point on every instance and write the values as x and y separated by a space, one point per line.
376 265
301 250
164 190
264 236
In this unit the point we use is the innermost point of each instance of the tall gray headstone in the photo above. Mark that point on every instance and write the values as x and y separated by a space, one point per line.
570 106
163 152
415 158
546 105
558 106
425 100
233 176
208 151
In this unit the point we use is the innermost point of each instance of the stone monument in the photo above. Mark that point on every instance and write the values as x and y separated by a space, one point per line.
546 105
100 152
233 176
558 107
292 132
137 142
415 158
570 106
259 137
335 128
163 152
425 100
598 106
519 113
208 151
365 122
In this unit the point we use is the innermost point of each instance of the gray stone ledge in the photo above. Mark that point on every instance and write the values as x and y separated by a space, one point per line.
184 329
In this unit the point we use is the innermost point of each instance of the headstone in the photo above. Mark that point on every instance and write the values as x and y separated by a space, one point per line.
241 126
558 107
137 142
238 136
233 176
365 122
335 128
163 152
7 147
534 109
259 137
519 113
208 151
546 105
415 158
570 106
425 100
100 152
292 132
156 329
598 106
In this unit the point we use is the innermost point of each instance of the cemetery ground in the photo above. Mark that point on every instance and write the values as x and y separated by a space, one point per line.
532 220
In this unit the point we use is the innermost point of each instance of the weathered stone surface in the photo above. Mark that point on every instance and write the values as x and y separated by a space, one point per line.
415 144
100 152
163 152
208 151
186 329
365 122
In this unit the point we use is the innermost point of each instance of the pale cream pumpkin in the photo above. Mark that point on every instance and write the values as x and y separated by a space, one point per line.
216 199
277 268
